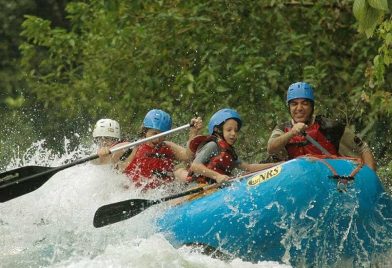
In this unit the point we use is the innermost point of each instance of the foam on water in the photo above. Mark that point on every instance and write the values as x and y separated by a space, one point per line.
52 226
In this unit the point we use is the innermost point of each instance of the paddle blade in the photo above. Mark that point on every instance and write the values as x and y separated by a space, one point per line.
20 181
112 213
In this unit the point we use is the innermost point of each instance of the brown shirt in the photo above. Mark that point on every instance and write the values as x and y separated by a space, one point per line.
350 144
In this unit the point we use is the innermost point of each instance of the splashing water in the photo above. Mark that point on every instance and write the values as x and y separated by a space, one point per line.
52 226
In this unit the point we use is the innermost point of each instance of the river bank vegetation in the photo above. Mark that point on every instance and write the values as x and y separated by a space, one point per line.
66 64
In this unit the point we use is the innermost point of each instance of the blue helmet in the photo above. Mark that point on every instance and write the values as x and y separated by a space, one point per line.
300 90
157 119
221 116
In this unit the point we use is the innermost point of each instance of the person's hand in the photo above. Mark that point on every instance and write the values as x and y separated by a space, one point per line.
104 151
298 128
197 124
221 178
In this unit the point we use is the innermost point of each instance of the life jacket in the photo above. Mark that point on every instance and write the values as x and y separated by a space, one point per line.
151 166
223 162
127 152
325 131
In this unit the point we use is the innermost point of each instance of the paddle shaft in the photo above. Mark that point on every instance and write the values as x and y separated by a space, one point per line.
205 188
315 143
45 175
133 144
119 211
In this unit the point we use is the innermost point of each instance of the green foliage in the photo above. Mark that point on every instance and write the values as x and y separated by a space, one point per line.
10 77
369 13
121 58
381 63
385 175
14 102
18 106
379 4
374 17
17 134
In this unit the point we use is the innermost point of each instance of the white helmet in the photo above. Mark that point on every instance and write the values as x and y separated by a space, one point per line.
107 128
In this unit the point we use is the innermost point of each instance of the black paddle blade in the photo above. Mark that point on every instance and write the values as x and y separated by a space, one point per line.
20 181
120 211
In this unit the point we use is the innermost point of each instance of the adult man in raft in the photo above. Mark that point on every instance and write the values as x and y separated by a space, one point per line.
287 140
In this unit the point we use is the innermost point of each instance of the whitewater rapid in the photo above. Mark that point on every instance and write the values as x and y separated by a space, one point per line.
52 226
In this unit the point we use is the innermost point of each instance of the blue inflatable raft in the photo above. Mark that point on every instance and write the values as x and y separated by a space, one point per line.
295 213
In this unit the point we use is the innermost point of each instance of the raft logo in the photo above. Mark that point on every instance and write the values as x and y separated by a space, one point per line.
266 175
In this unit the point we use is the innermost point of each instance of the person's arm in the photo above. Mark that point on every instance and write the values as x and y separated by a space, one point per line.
180 153
204 171
105 157
193 132
279 139
197 125
368 158
185 154
352 145
278 142
203 157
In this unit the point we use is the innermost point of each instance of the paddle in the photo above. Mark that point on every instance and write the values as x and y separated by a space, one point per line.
23 180
116 212
315 143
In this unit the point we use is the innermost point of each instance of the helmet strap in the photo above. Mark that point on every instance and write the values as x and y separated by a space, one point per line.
142 132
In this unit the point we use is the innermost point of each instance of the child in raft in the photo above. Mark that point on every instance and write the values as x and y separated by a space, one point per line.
215 155
152 164
107 134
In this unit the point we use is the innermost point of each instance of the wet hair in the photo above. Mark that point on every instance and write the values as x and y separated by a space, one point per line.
218 131
142 132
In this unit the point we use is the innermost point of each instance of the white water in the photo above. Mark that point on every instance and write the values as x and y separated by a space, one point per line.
52 226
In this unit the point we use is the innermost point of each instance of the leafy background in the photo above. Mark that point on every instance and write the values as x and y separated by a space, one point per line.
65 64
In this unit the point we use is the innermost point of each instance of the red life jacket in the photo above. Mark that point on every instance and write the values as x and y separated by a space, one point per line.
298 145
223 162
151 166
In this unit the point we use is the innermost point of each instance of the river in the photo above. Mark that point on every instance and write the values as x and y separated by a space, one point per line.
52 226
